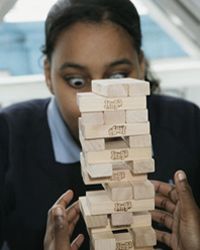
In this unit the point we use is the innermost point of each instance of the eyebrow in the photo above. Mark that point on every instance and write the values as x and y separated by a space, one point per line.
121 61
72 65
81 67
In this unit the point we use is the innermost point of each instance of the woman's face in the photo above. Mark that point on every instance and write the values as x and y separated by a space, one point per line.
85 52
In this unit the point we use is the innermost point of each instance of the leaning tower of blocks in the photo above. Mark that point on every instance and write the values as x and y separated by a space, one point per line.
116 152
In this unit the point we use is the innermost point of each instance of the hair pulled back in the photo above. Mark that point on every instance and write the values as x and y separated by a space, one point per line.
67 12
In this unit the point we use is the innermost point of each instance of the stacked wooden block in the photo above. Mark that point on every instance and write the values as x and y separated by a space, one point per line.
117 153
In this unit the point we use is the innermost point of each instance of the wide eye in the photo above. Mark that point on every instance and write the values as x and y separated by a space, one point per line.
75 82
118 75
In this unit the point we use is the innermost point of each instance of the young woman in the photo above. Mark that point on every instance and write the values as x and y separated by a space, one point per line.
39 145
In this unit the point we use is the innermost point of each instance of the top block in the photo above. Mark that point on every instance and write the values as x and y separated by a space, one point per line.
122 87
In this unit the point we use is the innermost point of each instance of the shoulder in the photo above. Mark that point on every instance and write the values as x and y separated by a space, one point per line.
23 113
175 115
21 109
168 102
172 107
35 105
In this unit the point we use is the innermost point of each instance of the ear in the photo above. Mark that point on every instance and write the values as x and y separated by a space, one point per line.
47 73
142 63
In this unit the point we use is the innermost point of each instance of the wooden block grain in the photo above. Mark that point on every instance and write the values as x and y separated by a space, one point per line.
92 118
138 88
143 190
122 175
144 237
139 141
121 219
103 241
91 144
110 87
100 103
92 221
99 203
117 130
114 117
119 191
96 170
143 166
134 116
117 155
141 219
124 241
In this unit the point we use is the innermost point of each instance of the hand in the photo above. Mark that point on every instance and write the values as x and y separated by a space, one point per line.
181 215
61 223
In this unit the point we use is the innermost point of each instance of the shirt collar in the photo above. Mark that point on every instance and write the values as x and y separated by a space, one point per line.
65 148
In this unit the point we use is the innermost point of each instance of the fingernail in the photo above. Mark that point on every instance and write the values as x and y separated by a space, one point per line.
181 176
58 211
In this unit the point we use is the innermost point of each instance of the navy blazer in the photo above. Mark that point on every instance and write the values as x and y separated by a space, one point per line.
31 180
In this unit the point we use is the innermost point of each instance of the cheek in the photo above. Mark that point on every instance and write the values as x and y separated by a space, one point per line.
69 107
137 73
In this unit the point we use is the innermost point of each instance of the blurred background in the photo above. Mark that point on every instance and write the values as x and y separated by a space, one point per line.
171 42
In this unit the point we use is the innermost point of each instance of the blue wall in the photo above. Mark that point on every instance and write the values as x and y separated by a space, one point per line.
20 45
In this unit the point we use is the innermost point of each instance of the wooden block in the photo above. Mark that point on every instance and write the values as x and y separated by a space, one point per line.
138 88
143 190
141 219
144 236
92 221
118 130
121 219
92 118
103 241
117 175
114 117
97 170
99 203
100 103
115 143
119 191
117 155
124 241
111 87
134 116
91 144
139 141
143 166
122 165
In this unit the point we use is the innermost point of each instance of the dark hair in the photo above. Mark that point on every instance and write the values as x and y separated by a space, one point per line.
151 78
67 12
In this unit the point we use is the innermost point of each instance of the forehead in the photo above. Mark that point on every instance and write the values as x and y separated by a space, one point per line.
91 41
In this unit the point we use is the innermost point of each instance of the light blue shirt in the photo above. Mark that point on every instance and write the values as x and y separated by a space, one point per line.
65 148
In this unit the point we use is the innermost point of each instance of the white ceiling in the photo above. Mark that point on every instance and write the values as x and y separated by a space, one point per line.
5 6
181 19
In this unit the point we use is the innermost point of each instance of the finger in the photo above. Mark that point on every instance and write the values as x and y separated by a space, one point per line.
73 211
165 203
61 231
163 218
76 244
187 201
163 237
65 199
166 189
72 225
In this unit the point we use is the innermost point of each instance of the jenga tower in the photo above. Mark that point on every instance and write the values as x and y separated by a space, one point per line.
117 153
